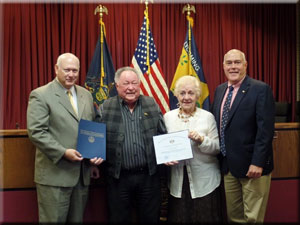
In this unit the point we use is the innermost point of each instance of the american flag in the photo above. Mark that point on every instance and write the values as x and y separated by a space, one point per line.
152 84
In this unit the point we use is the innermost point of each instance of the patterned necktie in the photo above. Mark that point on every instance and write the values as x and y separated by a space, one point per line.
225 114
72 102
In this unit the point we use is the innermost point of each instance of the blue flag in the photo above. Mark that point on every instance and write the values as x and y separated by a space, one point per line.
94 79
190 65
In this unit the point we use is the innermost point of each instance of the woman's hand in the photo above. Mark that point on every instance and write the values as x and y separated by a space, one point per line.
195 136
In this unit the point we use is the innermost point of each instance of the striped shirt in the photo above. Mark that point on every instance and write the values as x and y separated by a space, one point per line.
133 155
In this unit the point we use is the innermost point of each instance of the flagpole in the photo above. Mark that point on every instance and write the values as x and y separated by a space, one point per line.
189 8
101 9
146 13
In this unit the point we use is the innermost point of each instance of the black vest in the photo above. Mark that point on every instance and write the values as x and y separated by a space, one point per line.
112 117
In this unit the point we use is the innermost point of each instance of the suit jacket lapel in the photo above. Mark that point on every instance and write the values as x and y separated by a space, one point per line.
80 101
219 100
63 99
239 96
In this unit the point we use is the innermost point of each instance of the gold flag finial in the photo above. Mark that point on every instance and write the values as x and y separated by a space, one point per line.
188 8
146 1
101 9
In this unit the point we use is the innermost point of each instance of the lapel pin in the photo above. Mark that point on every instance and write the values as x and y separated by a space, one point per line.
243 91
146 114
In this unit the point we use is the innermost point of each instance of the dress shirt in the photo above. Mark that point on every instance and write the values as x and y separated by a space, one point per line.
203 169
73 91
234 92
134 155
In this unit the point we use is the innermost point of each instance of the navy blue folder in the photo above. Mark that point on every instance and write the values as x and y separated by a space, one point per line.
91 140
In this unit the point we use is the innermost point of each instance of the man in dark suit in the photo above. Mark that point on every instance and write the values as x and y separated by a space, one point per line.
61 174
246 128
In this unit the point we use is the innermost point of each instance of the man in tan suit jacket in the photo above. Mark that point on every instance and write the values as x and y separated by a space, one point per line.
61 174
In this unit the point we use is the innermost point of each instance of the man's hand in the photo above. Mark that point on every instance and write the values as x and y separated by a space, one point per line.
254 171
171 163
73 155
96 161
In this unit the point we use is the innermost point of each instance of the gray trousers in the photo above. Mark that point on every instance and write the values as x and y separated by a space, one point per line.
61 204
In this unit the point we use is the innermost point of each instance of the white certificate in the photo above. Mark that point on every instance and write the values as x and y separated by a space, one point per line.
172 146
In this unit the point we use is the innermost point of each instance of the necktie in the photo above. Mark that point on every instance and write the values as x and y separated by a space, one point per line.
72 102
225 114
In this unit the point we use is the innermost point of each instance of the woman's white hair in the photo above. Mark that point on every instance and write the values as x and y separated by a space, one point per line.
188 79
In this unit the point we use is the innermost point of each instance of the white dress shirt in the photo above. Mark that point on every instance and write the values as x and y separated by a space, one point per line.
203 169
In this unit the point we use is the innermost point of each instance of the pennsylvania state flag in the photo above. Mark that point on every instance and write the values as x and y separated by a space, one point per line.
194 63
100 76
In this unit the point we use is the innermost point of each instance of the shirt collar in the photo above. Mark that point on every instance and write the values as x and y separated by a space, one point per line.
237 85
72 89
122 102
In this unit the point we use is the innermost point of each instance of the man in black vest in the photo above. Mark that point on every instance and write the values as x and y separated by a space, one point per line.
132 120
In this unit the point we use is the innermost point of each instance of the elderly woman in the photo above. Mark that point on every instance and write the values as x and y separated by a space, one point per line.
194 183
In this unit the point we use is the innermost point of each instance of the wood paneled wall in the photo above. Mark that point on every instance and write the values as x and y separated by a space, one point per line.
286 150
17 156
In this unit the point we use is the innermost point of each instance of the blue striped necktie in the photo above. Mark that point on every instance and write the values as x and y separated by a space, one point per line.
225 114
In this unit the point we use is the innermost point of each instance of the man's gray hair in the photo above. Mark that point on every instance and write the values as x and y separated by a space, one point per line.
122 69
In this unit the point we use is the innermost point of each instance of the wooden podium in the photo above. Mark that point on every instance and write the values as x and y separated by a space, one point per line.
17 155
